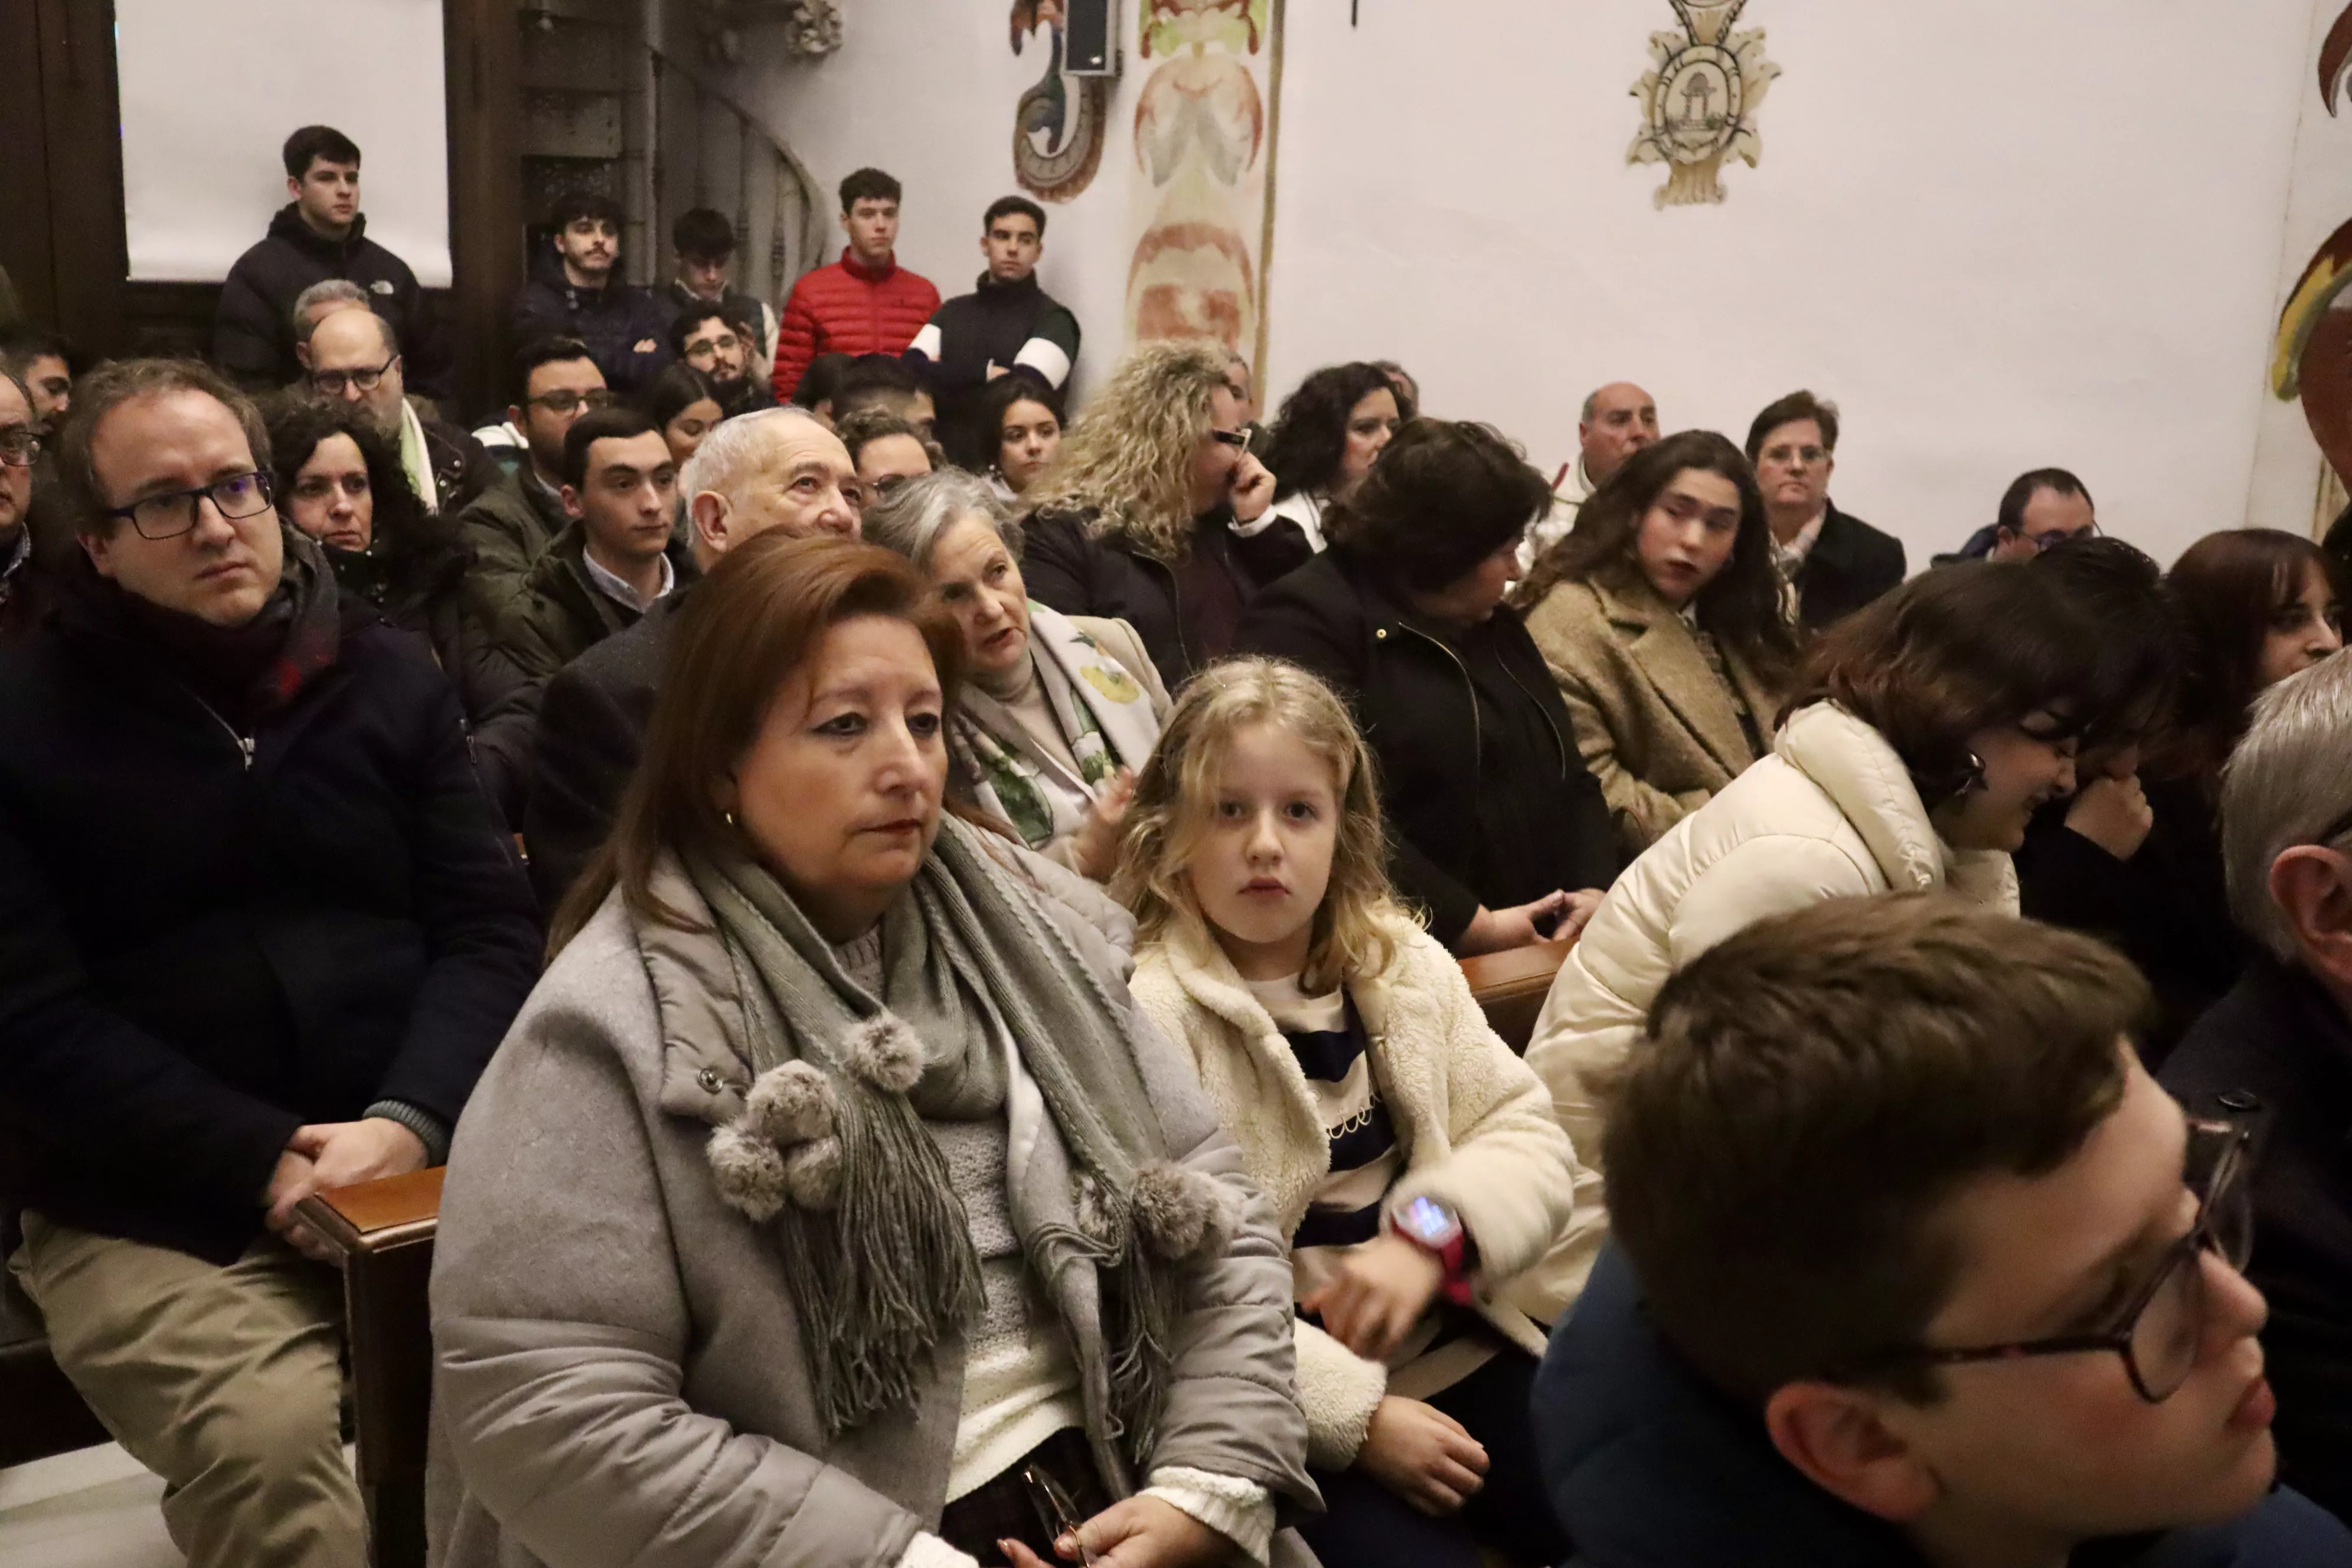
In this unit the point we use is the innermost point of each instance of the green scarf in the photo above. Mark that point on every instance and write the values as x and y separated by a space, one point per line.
832 1151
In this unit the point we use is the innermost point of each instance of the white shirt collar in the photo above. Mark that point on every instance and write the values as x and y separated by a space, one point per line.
620 593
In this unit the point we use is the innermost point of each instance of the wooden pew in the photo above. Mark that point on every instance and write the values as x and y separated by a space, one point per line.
1511 987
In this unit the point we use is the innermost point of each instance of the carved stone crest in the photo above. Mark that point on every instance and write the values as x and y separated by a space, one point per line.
1698 101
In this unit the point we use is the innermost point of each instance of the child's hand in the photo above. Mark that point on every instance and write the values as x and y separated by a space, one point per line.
1095 846
1422 1454
1380 1293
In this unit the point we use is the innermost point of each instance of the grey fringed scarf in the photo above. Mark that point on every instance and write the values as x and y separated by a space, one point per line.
832 1150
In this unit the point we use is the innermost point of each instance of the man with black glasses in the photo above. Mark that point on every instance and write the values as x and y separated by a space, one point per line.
263 934
511 527
2283 1037
720 340
1919 1269
354 356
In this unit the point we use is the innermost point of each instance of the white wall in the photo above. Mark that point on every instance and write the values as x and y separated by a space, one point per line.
1999 233
210 88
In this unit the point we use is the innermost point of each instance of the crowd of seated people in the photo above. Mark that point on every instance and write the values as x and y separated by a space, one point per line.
925 915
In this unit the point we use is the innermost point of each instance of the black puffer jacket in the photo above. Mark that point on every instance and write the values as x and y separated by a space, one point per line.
222 926
625 328
253 329
1488 799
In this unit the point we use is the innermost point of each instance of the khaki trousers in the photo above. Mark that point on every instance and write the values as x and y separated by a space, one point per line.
226 1382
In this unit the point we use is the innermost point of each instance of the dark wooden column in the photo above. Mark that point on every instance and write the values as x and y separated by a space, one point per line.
482 41
61 167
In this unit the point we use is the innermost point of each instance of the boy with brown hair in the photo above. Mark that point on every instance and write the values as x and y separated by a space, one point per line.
1918 1267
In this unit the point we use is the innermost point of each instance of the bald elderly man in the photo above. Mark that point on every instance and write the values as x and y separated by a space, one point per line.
1618 420
778 467
352 356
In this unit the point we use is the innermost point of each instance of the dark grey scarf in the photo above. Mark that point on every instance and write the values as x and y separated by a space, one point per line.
832 1150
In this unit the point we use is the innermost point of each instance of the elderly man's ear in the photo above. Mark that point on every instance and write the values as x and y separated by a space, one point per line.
2312 886
713 528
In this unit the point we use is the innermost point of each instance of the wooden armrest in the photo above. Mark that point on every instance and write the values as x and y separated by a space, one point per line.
1516 972
1511 986
375 1216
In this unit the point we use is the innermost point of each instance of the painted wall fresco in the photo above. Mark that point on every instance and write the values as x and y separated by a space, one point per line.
1204 146
1058 125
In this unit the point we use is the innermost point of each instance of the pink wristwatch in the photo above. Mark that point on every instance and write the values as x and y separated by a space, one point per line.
1437 1230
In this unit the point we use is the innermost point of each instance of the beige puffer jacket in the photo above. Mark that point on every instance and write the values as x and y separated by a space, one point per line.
1831 813
1470 1116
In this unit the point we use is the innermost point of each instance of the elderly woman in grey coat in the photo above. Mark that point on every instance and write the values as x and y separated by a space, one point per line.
831 1204
1060 710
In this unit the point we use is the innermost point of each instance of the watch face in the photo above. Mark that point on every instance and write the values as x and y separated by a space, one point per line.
1428 1222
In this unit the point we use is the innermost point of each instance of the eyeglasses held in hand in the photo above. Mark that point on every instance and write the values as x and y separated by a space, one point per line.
332 383
560 403
169 515
2160 1332
18 447
1054 1509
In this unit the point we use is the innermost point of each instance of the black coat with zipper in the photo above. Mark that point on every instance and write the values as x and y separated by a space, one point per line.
214 938
1067 568
253 328
1487 797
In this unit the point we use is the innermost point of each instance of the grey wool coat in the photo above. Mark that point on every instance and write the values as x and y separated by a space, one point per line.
1655 726
618 1363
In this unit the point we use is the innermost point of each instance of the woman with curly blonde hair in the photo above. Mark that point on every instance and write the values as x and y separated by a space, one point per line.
1155 513
1412 1160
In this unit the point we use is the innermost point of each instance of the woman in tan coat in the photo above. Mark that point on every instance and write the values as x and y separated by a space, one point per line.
1662 617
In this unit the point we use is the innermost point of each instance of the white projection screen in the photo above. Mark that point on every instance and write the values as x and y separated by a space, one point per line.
212 88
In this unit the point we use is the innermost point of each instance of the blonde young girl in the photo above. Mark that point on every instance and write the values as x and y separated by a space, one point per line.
1409 1157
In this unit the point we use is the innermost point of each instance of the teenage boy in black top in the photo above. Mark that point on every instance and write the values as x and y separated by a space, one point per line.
319 234
1006 321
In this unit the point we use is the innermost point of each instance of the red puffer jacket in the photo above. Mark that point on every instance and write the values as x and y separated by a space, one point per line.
848 308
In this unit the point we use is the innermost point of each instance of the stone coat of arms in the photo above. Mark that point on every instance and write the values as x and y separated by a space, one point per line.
1698 101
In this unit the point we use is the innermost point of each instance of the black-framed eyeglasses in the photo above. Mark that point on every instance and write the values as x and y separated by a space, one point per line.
18 447
1230 438
174 513
2160 1329
332 383
563 401
1054 1509
2058 536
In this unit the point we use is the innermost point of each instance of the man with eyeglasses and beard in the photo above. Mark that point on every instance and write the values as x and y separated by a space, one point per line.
264 932
511 527
352 356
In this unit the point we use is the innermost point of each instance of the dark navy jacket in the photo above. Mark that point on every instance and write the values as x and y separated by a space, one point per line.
1648 1468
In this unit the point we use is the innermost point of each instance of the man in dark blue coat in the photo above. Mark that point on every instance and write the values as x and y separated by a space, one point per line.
320 234
575 291
263 935
1919 1269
